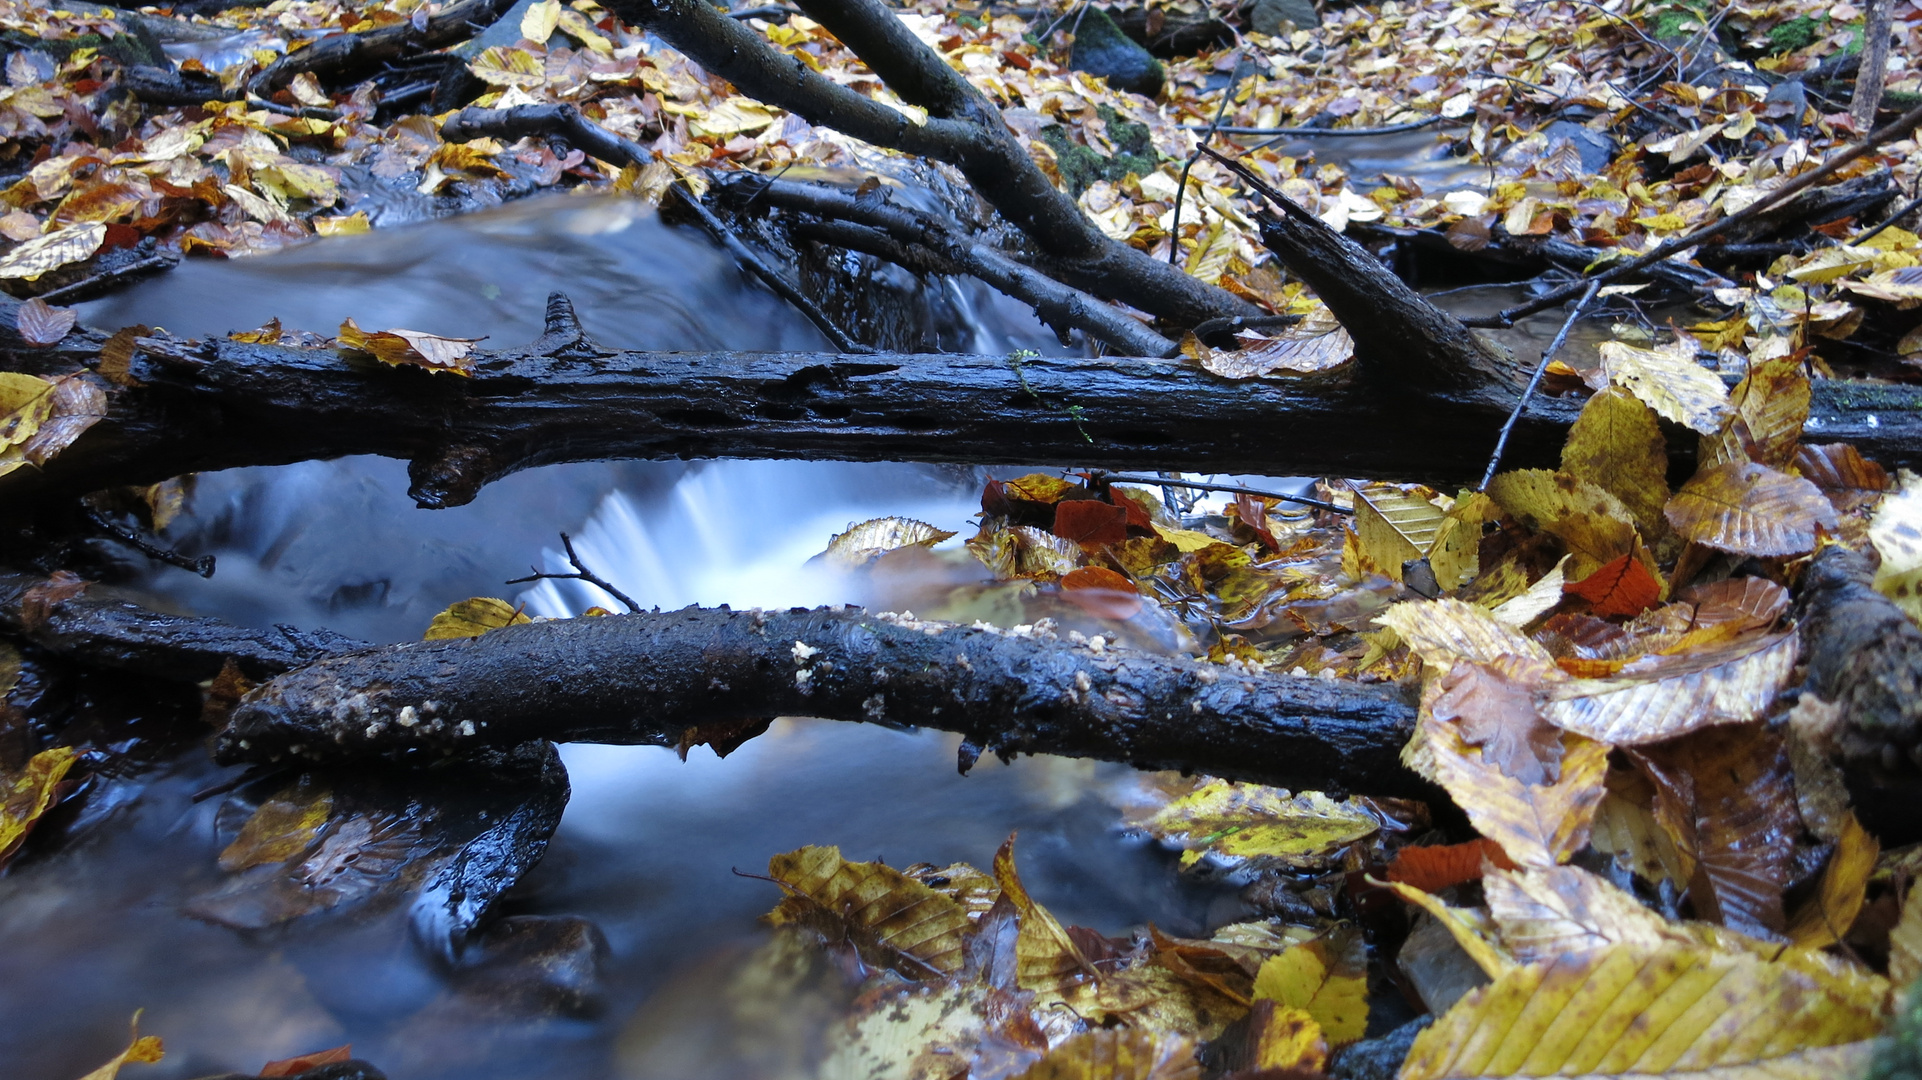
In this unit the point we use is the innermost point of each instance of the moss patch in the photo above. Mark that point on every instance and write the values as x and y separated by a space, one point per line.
1081 166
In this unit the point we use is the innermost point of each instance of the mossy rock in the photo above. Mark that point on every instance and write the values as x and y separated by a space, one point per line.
1899 1057
1797 33
1081 166
1100 48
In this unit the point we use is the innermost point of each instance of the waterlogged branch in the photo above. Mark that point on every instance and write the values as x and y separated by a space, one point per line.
344 56
665 678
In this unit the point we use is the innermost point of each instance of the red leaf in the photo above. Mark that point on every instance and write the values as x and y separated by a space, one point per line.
294 1066
40 323
1253 513
1431 869
1090 521
1621 586
1101 592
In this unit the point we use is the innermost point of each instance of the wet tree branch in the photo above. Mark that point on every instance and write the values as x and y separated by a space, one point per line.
345 56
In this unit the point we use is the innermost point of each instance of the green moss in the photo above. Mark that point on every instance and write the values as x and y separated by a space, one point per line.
1669 23
1797 33
1081 166
1899 1057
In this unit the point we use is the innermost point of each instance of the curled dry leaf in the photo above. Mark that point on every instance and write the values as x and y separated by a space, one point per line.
397 347
863 543
473 617
1637 1009
40 323
1750 509
53 251
1538 825
1617 445
1252 821
1670 381
27 795
893 920
1661 696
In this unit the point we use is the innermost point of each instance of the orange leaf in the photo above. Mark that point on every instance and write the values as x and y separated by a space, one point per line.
293 1066
1432 869
1100 591
1090 521
1622 586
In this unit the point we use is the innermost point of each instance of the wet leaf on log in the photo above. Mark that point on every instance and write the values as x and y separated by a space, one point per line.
1316 344
38 602
53 251
1670 381
398 347
26 796
266 335
871 539
893 920
473 617
1661 696
1493 706
1253 821
1637 1009
1327 978
1750 509
1726 796
40 323
25 402
1617 445
75 404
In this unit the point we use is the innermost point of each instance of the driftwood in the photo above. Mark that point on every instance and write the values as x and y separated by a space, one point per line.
698 675
346 56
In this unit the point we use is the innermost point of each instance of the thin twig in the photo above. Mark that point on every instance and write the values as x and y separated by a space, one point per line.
581 573
1342 133
760 269
1181 190
1535 380
1889 222
1908 120
1164 481
204 565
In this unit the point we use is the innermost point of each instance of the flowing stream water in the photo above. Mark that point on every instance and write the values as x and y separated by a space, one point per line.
649 845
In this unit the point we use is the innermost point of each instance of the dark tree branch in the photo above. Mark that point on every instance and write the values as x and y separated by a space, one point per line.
344 56
650 678
963 129
581 573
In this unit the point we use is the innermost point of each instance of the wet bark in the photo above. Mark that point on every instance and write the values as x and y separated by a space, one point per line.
698 675
186 406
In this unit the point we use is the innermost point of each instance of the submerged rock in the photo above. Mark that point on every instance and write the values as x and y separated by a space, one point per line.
1100 48
534 964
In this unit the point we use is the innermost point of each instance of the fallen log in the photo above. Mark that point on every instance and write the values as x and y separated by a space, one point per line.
698 675
184 406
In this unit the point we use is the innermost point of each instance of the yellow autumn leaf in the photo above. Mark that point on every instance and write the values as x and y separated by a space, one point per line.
1447 631
1250 820
1594 525
1896 532
539 20
575 25
1640 1010
53 251
1671 695
1327 978
1670 381
1285 1038
1547 912
1767 411
1905 941
1750 509
501 65
1617 445
1395 526
397 347
863 543
349 225
730 117
27 795
892 919
1117 1054
1826 917
1537 825
145 1049
473 617
1046 960
281 828
1472 929
25 402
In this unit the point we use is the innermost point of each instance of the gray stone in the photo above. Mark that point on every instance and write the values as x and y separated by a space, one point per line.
1277 17
1100 48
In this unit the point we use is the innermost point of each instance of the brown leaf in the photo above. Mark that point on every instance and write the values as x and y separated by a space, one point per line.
40 323
1101 592
38 602
413 347
76 403
893 920
1770 405
294 1066
1750 509
116 356
1726 795
1090 521
1117 1054
1839 469
1536 825
1660 696
1494 707
1739 605
1436 867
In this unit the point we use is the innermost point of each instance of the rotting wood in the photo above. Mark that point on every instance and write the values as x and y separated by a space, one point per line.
671 678
191 406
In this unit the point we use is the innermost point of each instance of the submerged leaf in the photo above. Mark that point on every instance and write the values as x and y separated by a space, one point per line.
283 827
891 919
1250 820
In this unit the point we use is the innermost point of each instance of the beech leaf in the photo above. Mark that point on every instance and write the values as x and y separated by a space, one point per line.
1327 978
891 919
1117 1054
863 543
473 617
1250 820
1669 381
26 796
1538 825
1750 509
40 323
1617 445
1660 697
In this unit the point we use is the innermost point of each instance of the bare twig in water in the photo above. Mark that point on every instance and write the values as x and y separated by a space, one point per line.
1232 489
204 565
1535 380
581 573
